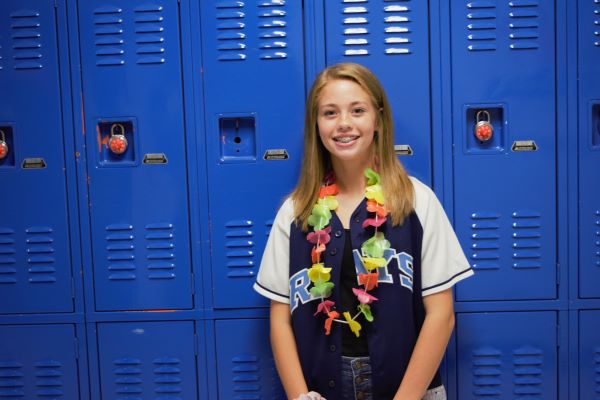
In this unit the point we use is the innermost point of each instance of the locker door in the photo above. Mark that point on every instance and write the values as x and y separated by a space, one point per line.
132 86
35 264
48 369
392 39
245 365
589 149
589 355
144 361
253 103
507 355
503 56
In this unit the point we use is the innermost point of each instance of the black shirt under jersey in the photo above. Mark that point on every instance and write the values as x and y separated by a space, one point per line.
352 346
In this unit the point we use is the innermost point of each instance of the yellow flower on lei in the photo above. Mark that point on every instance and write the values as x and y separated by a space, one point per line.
354 326
318 273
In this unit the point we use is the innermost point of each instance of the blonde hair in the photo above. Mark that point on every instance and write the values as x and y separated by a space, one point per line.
397 187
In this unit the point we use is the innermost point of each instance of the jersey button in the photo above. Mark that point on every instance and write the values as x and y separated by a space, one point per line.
332 383
332 348
338 234
357 220
333 252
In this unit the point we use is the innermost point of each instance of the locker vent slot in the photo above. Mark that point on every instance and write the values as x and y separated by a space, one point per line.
481 26
597 368
524 25
108 32
40 257
149 28
160 245
11 379
239 243
597 24
487 372
246 374
128 376
48 379
167 377
485 240
597 237
526 235
527 363
397 32
356 31
120 252
8 271
231 33
26 38
272 23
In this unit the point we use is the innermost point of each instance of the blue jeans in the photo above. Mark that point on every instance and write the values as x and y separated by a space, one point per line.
356 381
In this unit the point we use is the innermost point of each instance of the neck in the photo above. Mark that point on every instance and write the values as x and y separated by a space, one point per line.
349 176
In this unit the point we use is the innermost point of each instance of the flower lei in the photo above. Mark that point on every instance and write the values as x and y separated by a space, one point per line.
372 252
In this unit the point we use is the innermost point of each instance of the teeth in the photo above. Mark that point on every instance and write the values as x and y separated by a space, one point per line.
345 139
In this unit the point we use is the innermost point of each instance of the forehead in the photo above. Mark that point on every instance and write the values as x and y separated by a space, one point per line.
343 91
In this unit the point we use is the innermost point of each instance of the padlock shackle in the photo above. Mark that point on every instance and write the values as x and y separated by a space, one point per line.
2 137
120 126
486 112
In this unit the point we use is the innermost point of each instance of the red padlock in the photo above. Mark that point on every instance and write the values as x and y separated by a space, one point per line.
117 142
3 146
483 127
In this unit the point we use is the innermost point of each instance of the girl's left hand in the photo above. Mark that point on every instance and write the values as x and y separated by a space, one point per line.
311 396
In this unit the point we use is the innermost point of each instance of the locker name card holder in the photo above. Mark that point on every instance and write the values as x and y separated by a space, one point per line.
155 158
524 145
33 163
276 154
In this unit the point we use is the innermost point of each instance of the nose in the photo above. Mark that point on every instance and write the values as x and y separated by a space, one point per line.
344 122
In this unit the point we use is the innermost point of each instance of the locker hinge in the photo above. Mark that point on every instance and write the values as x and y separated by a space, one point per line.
557 335
196 344
55 3
76 343
557 276
72 287
193 283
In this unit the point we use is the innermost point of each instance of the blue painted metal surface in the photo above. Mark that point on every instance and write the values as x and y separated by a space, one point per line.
35 263
503 61
392 39
507 355
145 359
589 148
245 366
589 355
253 73
39 361
131 71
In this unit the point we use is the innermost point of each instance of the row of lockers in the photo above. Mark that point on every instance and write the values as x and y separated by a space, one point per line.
496 355
209 96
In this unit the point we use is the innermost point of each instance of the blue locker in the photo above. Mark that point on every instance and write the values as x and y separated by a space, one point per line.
147 360
253 65
38 361
507 355
392 39
245 365
589 148
503 65
35 264
132 87
589 355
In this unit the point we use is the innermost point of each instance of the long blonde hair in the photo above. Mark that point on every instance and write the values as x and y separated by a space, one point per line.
397 187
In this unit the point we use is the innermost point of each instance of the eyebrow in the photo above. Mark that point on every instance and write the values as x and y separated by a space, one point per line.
352 104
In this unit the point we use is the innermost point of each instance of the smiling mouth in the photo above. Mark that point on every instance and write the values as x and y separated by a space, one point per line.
345 139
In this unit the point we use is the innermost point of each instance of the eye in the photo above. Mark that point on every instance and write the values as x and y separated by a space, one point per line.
328 113
359 111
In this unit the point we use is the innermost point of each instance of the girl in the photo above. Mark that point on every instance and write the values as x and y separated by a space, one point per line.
361 257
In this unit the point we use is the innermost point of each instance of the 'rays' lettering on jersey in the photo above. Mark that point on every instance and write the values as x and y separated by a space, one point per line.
299 282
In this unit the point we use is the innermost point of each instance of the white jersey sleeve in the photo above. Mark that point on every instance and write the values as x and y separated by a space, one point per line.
443 262
273 275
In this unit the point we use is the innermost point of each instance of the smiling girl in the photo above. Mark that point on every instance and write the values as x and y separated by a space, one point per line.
361 259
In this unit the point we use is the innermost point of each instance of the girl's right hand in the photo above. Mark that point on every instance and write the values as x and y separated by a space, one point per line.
310 396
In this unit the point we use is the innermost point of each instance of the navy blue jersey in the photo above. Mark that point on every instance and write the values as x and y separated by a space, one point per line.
425 258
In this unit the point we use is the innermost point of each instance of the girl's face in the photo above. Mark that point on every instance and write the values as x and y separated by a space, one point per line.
346 121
